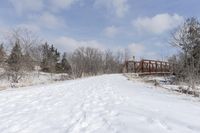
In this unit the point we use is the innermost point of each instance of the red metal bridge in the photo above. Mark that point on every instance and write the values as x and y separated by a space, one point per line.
148 67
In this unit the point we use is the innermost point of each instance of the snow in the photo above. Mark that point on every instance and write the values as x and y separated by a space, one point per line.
31 78
101 104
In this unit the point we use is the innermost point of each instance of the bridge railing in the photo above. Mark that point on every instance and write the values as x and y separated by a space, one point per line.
148 66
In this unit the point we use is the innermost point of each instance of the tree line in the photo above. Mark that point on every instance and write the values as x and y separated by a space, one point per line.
27 53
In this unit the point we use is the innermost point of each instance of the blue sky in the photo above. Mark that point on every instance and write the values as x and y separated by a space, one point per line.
141 26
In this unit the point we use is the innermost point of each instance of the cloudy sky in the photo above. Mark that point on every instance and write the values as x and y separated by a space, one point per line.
142 26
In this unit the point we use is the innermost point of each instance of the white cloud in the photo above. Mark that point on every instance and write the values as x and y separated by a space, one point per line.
50 21
159 23
136 50
45 20
26 6
61 4
140 51
22 6
32 27
111 31
69 44
118 7
4 31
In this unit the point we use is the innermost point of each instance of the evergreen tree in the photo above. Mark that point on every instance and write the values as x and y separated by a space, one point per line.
2 55
45 56
66 68
15 62
57 56
51 58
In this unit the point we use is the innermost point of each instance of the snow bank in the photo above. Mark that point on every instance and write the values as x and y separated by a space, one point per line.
166 82
32 78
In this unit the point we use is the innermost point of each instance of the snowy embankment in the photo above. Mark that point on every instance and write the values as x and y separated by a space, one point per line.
32 78
102 104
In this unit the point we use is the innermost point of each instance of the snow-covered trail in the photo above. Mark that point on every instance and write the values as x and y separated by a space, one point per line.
108 104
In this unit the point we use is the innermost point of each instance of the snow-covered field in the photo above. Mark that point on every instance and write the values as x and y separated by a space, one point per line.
102 104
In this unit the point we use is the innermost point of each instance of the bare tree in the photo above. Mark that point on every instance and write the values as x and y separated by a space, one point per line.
93 59
29 43
187 38
126 54
86 61
111 63
26 38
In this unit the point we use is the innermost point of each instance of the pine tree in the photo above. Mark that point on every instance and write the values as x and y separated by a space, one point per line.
15 63
51 58
2 55
45 56
66 68
57 56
